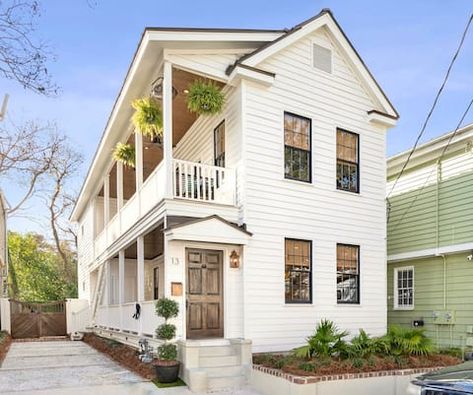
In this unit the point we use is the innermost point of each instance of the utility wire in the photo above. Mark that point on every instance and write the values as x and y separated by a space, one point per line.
424 126
442 154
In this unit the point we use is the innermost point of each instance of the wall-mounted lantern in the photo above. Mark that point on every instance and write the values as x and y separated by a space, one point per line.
234 260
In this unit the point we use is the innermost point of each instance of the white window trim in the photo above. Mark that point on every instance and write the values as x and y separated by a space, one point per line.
396 300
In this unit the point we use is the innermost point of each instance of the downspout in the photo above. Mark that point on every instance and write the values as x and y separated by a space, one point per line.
437 203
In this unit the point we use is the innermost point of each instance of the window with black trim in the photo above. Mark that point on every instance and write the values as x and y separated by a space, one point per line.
348 273
156 283
297 147
348 161
219 145
298 271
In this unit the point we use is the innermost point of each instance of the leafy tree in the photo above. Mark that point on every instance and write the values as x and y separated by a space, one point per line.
37 272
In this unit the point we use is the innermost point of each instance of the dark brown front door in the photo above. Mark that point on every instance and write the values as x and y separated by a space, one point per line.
204 294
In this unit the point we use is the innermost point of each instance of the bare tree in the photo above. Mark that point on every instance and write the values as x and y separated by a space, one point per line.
63 168
26 155
24 58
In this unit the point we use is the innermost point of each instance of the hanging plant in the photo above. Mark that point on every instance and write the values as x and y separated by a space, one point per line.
148 117
125 153
205 98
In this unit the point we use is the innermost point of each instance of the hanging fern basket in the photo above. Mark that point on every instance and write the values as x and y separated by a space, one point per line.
205 98
125 153
148 118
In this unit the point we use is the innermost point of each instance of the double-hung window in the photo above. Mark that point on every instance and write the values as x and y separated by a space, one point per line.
348 273
219 145
348 161
298 271
404 288
297 147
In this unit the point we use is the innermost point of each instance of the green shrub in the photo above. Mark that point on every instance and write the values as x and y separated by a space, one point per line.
167 352
167 308
307 366
327 341
166 331
407 341
364 346
357 362
452 351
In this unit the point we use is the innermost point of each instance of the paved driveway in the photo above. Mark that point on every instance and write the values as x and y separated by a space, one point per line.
74 368
65 367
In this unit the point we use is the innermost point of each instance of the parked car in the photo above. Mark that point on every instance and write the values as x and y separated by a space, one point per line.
454 380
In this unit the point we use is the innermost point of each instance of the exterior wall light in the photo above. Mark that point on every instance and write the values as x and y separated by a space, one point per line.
234 260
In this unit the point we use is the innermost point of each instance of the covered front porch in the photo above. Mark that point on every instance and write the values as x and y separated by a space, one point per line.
195 261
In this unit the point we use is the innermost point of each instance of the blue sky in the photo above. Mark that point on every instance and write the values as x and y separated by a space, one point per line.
406 44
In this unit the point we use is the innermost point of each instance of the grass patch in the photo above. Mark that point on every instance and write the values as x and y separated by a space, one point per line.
178 383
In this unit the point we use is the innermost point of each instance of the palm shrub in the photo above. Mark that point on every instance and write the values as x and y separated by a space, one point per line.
124 153
365 346
326 342
167 309
407 341
205 98
148 117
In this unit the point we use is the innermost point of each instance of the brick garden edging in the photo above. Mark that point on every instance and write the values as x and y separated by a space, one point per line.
346 376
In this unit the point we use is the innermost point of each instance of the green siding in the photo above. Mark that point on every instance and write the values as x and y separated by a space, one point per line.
429 297
413 224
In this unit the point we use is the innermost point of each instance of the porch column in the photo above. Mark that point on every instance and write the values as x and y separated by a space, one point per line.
167 126
121 283
106 200
139 160
140 274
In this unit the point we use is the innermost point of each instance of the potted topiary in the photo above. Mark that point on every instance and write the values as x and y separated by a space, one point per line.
148 118
167 365
125 153
205 98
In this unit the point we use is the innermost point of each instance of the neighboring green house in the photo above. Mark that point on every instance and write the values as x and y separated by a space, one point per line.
430 239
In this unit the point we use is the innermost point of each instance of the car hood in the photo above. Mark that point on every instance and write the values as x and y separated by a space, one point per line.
459 378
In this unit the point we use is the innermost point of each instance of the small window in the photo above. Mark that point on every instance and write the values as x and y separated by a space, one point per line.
219 145
156 283
348 273
297 147
404 288
322 58
298 271
348 166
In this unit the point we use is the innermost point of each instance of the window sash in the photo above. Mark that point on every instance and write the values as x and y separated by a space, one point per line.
348 167
297 147
404 288
348 274
298 271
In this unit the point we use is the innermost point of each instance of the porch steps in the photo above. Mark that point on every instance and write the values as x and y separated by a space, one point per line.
219 367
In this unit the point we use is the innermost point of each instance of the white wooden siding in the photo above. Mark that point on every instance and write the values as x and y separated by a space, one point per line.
85 239
276 208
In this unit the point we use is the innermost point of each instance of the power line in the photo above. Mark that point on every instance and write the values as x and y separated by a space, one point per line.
434 104
442 154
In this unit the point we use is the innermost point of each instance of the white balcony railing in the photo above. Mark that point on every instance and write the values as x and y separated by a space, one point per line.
200 182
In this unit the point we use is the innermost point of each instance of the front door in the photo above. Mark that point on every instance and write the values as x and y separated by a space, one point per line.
204 294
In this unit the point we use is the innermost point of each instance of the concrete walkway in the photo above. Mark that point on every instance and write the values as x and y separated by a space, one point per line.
74 368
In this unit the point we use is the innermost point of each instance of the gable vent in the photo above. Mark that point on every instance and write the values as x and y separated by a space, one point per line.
322 58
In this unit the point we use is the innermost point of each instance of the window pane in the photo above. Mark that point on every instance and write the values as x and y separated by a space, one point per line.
297 270
347 161
405 287
297 147
219 145
347 274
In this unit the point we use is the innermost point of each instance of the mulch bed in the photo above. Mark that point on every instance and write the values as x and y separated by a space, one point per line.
5 342
121 353
314 367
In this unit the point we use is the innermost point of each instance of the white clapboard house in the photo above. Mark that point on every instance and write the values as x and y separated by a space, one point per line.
261 220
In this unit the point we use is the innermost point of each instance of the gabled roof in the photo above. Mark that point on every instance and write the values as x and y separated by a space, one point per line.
324 18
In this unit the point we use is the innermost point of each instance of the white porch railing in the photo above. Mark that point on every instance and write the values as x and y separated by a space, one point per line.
129 323
190 181
200 182
150 320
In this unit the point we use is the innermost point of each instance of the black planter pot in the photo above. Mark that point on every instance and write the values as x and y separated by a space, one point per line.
167 373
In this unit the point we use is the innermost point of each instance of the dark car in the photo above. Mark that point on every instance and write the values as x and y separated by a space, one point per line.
454 380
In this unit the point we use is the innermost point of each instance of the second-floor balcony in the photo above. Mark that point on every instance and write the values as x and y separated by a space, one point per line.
179 170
